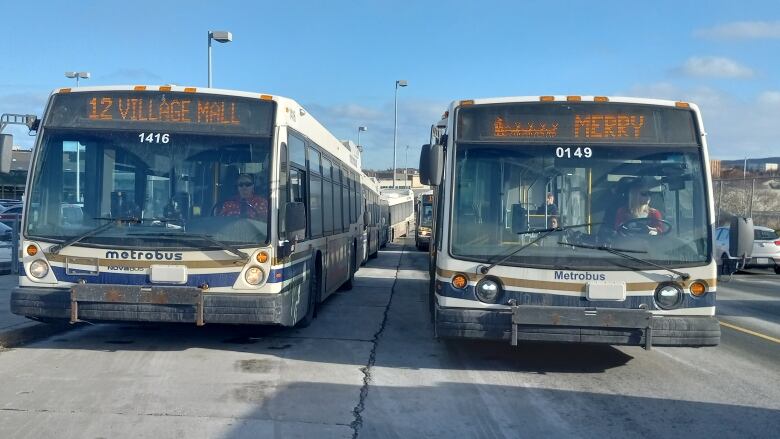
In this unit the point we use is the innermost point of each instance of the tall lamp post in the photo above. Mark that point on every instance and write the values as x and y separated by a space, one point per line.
398 83
77 76
360 129
406 168
220 37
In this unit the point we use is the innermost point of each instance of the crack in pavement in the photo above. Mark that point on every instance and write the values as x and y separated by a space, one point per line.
357 424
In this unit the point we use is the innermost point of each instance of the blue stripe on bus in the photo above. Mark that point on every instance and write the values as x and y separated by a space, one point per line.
550 299
288 272
193 280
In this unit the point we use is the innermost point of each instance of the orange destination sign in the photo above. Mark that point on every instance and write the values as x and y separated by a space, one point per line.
161 110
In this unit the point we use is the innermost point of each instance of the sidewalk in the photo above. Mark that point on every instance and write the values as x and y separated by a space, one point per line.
16 330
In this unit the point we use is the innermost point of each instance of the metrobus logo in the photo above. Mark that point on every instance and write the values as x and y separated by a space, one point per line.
571 275
144 255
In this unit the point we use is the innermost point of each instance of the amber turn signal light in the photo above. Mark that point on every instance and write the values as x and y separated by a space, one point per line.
262 257
460 281
32 250
698 289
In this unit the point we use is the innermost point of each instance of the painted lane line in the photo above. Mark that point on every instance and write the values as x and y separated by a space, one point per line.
748 331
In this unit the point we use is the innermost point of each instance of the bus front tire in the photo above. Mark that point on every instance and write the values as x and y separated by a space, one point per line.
311 309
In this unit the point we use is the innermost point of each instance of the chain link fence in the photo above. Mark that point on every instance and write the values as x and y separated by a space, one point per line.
758 198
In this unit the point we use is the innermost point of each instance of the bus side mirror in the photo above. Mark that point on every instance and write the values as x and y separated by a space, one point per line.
741 237
425 165
366 218
436 165
295 221
6 148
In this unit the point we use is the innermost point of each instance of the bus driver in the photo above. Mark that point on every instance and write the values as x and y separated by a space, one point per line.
638 214
246 204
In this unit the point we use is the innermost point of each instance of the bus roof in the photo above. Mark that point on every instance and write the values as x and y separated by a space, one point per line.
570 98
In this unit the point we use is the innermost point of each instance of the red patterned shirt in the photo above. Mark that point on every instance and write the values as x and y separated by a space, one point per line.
255 207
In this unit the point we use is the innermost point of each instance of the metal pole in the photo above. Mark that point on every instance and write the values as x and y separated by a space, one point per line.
752 194
358 137
406 168
395 127
78 172
720 204
209 36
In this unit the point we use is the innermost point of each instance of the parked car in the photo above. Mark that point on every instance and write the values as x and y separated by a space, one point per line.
11 214
766 249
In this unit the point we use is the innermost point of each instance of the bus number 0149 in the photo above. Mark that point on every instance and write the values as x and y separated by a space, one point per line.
568 153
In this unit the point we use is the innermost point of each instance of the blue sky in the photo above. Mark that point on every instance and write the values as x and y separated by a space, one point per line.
340 59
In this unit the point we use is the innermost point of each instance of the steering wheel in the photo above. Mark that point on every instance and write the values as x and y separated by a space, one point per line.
217 208
244 202
640 226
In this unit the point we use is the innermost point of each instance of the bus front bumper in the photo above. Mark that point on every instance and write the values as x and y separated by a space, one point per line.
577 325
165 304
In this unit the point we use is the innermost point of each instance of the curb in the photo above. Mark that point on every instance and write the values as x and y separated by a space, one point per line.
30 331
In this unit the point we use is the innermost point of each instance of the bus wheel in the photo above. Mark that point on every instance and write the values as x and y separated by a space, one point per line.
314 288
725 265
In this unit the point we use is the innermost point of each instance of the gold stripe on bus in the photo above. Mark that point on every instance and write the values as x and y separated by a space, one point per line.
223 263
562 286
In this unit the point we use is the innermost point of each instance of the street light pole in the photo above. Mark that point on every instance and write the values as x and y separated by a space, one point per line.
398 83
77 76
220 37
406 168
360 128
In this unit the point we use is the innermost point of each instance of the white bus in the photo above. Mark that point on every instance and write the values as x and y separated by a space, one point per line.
199 205
400 212
372 221
423 220
572 219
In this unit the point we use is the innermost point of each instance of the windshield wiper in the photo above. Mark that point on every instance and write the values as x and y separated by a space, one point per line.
101 228
224 246
622 253
545 233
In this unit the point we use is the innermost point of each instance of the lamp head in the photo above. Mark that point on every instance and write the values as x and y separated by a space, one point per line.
221 36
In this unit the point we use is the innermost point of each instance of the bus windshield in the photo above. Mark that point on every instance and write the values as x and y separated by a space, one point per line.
152 185
646 199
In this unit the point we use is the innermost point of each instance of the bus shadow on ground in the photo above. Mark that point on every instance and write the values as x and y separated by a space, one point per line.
462 409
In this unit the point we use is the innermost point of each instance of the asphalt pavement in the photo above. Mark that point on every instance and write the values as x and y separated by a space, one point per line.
369 367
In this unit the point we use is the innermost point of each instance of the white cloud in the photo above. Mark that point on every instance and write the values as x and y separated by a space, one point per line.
769 98
715 67
735 127
742 30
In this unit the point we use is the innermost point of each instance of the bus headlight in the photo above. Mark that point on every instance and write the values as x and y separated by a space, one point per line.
254 275
39 268
488 290
668 296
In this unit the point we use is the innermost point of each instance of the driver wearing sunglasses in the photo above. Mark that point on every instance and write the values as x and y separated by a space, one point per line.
246 203
639 208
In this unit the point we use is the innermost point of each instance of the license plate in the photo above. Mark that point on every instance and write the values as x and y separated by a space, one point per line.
606 291
762 261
